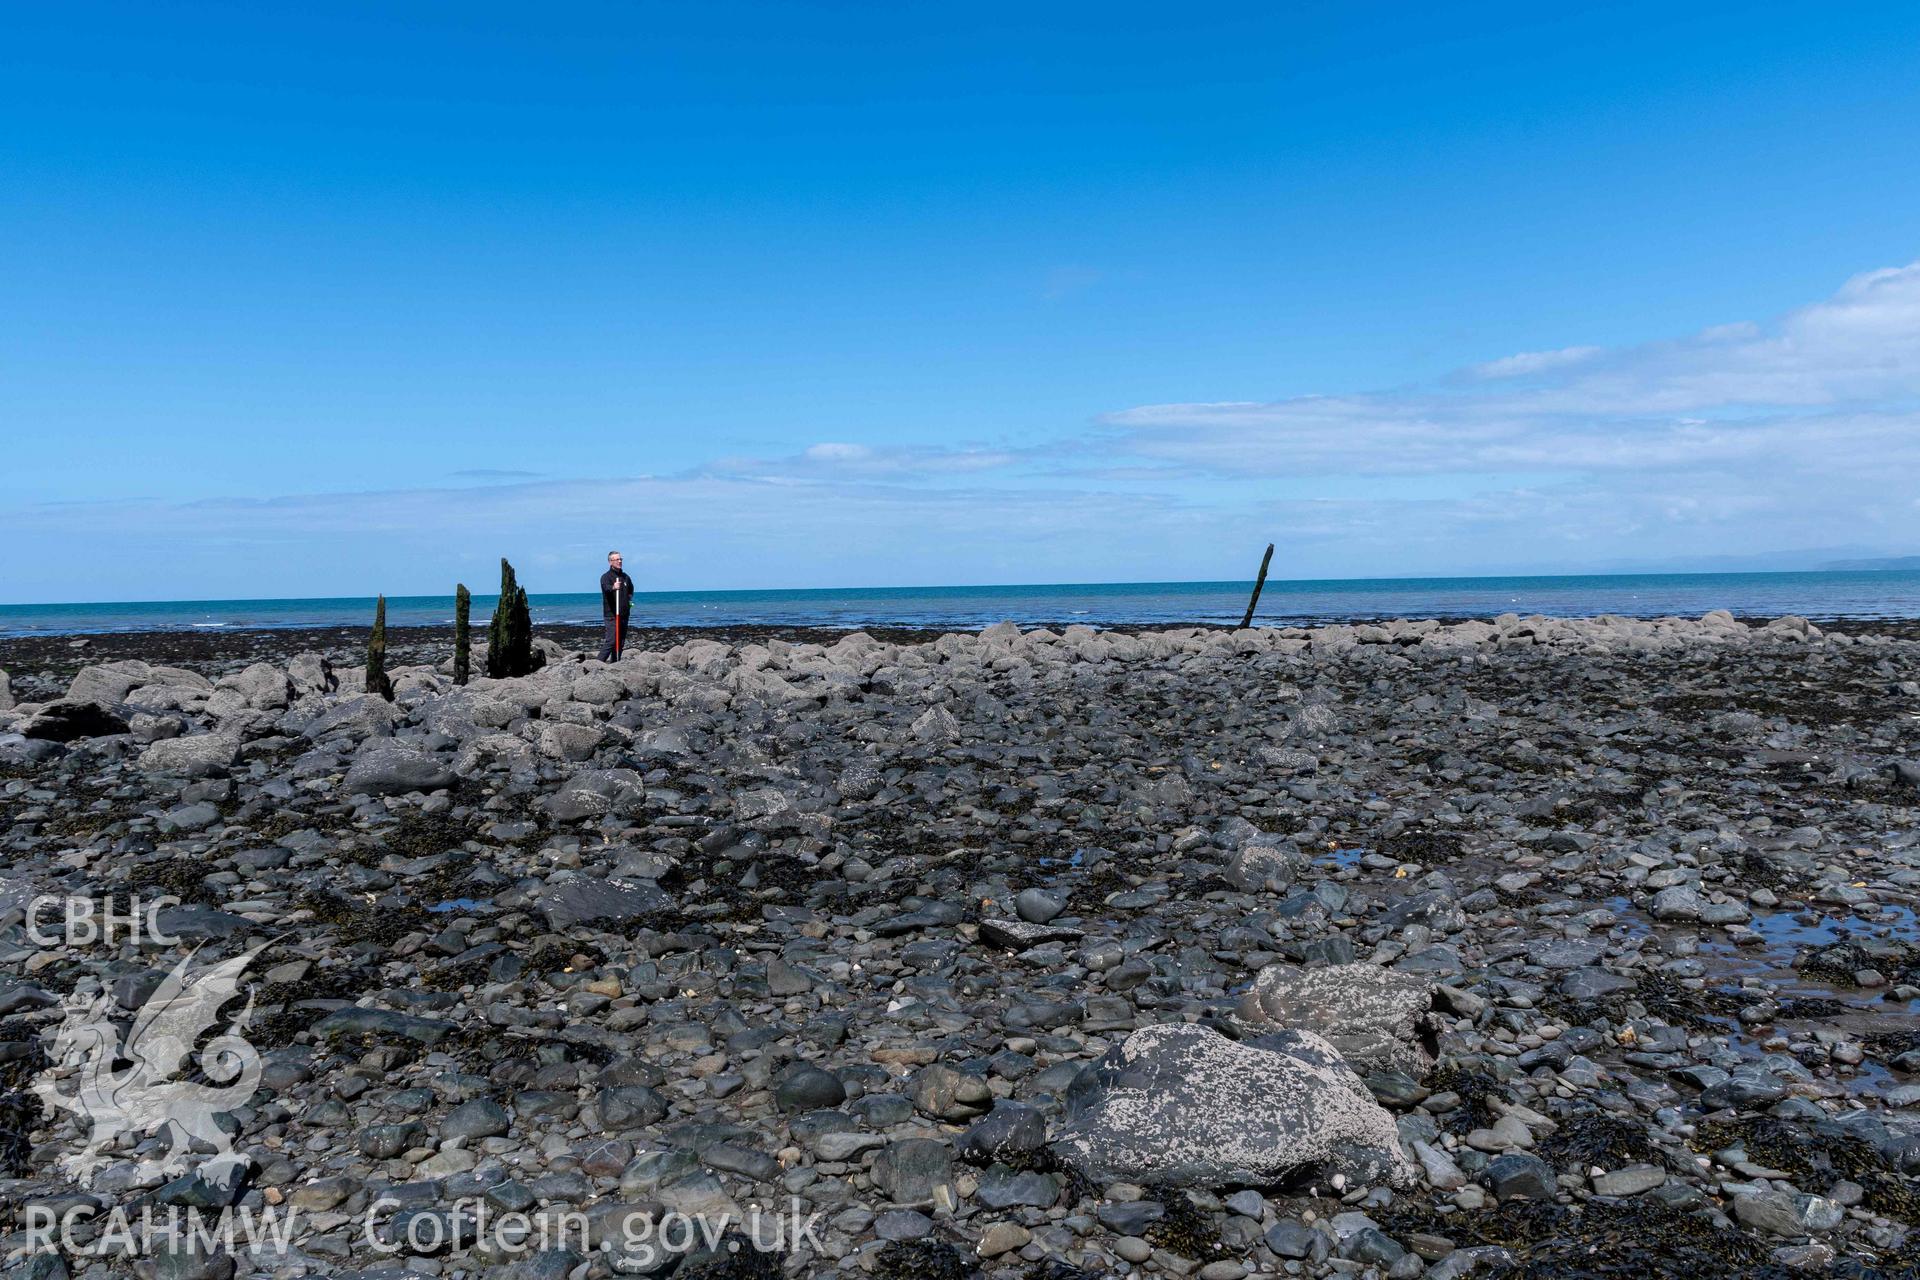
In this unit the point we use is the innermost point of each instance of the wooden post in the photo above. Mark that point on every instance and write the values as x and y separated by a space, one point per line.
377 681
462 632
1258 583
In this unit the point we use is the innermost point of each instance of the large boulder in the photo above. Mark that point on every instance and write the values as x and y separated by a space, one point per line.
310 673
23 752
200 755
109 683
68 719
936 724
1377 1019
157 699
391 767
594 793
6 692
1182 1105
1263 866
359 716
573 742
486 750
599 688
264 686
572 900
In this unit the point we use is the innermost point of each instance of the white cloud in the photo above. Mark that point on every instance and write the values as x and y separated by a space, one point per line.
829 452
830 460
1814 389
1530 362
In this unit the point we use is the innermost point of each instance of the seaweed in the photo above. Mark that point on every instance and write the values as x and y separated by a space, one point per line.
182 878
1595 1138
382 924
780 878
1812 1008
1076 1184
1054 1269
1758 869
1186 1230
287 1022
921 1260
734 1257
284 822
21 1109
1644 1238
1423 846
1476 1090
1821 1151
454 975
1837 964
1889 1045
418 835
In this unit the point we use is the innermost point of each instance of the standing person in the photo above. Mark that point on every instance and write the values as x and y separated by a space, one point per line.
616 602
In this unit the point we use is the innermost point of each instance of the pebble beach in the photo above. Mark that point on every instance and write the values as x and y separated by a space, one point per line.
1519 946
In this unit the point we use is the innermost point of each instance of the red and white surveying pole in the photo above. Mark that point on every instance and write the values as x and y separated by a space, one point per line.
619 640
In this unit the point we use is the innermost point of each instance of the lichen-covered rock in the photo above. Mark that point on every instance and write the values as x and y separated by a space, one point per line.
573 742
1378 1019
1263 866
200 755
1182 1105
486 749
935 724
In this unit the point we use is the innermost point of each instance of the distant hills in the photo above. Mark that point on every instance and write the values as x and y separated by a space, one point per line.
1883 562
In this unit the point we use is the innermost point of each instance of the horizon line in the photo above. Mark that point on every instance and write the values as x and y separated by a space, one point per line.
964 586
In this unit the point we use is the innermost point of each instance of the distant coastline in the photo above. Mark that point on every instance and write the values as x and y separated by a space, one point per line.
1883 564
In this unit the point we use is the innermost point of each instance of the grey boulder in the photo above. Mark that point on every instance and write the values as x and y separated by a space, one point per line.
311 673
109 682
583 900
1260 868
264 686
1182 1105
388 767
1378 1019
358 716
198 756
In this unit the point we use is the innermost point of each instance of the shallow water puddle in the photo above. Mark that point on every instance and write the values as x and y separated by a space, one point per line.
1343 859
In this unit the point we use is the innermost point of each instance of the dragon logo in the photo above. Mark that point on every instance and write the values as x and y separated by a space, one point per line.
127 1085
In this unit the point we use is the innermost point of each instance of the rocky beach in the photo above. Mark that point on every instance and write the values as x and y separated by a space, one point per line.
1523 947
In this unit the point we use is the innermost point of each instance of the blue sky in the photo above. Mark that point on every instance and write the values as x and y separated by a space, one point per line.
338 299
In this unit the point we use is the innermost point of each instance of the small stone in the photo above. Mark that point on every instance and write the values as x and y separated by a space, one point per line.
479 1118
1630 1181
1037 906
1003 1237
809 1088
1520 1176
1292 1239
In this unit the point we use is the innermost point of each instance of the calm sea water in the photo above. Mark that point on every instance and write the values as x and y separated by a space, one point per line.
1880 594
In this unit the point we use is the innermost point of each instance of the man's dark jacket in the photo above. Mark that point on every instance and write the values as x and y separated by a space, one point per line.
610 579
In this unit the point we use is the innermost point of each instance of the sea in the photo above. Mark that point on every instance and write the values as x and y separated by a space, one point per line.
1818 595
